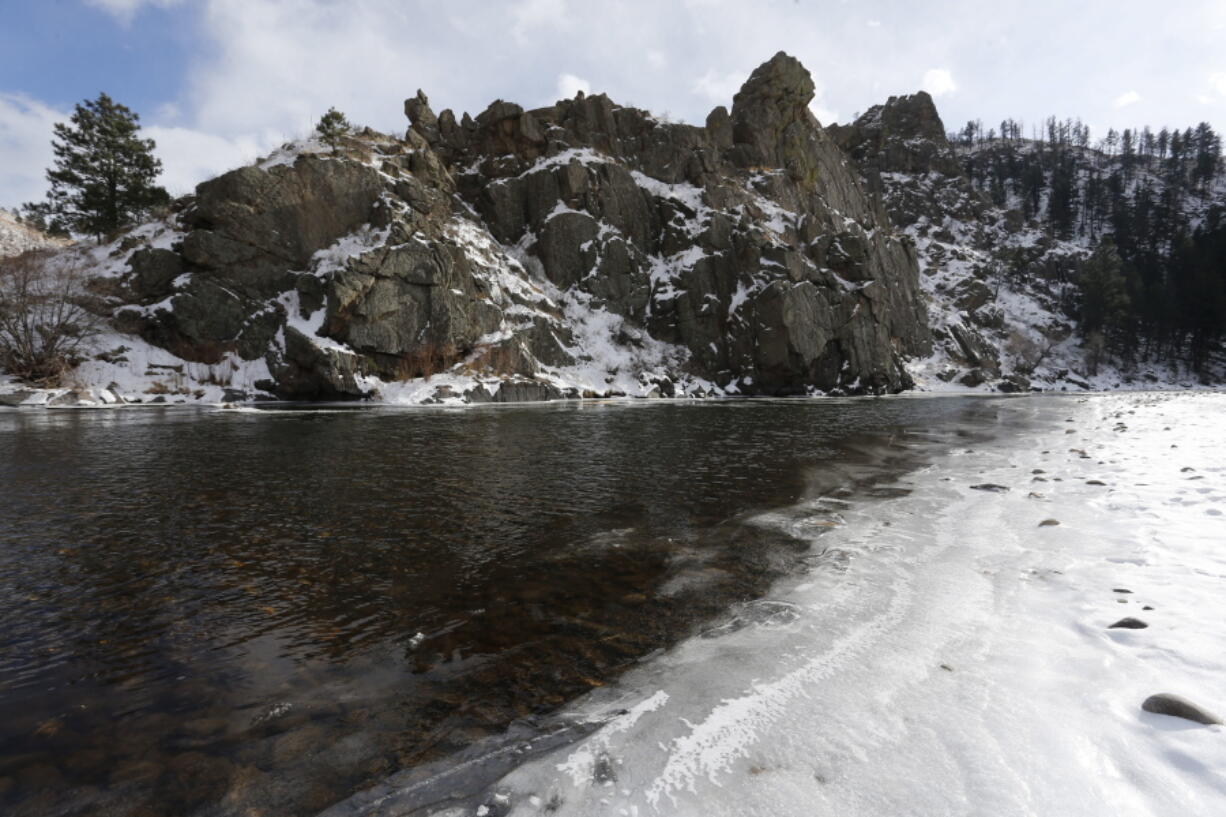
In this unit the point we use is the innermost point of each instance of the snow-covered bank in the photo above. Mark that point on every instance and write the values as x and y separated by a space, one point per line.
950 653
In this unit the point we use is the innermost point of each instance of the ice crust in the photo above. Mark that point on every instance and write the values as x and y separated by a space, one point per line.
958 659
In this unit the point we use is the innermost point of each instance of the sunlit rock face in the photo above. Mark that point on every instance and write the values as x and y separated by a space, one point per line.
576 250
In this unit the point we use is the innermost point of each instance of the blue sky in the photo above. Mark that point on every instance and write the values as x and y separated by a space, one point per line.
63 51
219 82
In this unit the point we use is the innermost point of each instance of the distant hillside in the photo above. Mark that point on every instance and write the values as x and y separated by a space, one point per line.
1160 198
16 238
1050 263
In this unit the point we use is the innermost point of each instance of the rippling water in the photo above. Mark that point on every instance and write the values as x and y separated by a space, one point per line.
263 611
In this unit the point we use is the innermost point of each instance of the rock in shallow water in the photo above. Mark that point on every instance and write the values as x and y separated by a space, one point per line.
990 486
1129 623
1164 703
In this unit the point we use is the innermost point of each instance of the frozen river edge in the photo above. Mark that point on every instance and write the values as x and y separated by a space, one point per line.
951 651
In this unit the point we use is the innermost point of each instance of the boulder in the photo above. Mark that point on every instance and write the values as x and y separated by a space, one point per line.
253 226
1164 703
153 270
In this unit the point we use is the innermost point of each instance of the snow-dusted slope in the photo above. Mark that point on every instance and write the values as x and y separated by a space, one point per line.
590 250
18 238
997 331
951 652
1001 287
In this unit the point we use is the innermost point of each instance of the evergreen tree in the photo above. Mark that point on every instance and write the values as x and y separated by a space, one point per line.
1104 297
1159 288
332 126
104 173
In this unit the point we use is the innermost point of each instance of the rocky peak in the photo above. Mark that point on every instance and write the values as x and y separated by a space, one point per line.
781 83
422 118
771 123
905 135
914 117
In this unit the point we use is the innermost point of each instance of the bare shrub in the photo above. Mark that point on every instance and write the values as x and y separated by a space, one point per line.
46 325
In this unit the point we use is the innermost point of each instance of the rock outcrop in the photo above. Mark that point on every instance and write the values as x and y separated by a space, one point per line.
579 249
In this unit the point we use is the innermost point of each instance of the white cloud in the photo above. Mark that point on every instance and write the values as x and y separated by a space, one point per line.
25 148
125 10
190 156
279 66
824 115
1125 99
569 85
530 15
939 82
1218 82
720 87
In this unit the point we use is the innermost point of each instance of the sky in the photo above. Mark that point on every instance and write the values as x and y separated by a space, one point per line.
219 82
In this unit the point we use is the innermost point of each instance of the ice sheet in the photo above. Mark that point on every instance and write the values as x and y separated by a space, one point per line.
949 654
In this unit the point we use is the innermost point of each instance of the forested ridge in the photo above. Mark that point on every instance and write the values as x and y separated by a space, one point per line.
1150 204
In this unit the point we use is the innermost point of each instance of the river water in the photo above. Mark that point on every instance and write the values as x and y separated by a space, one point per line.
266 611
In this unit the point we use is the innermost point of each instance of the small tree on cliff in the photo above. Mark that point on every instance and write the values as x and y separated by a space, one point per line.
104 174
332 126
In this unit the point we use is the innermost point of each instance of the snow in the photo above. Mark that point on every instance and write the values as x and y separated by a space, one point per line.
584 156
361 240
684 193
947 654
288 153
142 373
604 362
17 238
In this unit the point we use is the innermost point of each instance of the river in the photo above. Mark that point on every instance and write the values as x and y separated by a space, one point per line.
267 610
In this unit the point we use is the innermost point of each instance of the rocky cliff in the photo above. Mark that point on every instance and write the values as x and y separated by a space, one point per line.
588 249
581 249
999 277
985 333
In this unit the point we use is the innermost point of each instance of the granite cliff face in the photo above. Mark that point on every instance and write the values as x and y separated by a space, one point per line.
576 250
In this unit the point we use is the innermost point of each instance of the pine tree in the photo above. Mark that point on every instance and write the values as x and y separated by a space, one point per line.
104 173
1104 297
332 126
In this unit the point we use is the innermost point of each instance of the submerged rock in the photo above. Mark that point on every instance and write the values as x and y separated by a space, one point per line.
1164 703
1129 623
